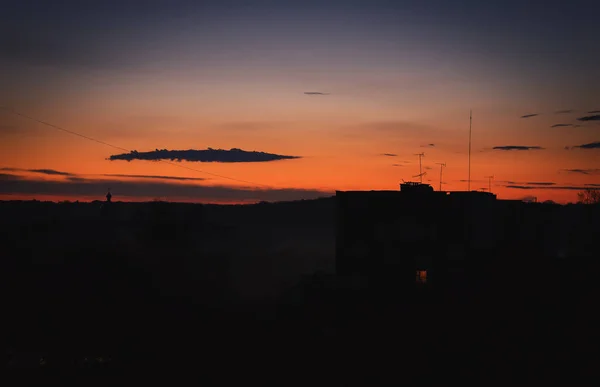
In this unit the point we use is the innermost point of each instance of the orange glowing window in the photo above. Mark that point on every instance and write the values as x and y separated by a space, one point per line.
421 276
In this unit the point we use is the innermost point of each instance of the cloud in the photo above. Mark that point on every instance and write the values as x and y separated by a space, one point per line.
50 172
565 111
75 177
595 117
592 185
593 171
389 154
315 93
517 147
12 184
564 125
428 146
427 168
42 171
530 115
594 112
179 178
532 183
545 183
591 145
397 165
209 155
562 187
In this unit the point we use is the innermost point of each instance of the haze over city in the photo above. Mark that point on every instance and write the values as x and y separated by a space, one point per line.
332 95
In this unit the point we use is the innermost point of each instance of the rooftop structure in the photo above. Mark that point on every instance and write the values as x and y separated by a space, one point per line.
391 235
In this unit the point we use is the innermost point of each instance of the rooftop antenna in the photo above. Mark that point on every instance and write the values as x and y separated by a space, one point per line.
470 127
442 165
420 170
489 183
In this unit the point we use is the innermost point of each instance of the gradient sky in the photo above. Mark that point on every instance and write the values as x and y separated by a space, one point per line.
401 75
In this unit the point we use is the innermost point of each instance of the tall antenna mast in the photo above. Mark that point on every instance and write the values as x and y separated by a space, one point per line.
420 169
442 165
470 127
490 183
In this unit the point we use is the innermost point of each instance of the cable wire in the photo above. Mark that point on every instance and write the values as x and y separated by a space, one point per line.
127 150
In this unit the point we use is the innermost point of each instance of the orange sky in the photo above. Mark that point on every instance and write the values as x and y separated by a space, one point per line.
336 154
394 88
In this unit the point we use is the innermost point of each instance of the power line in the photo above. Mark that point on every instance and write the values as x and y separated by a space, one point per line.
126 150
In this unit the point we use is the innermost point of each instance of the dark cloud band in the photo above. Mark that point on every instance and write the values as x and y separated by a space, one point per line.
15 185
209 155
517 148
591 145
590 118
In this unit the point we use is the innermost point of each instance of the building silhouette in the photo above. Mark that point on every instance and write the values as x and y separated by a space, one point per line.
452 240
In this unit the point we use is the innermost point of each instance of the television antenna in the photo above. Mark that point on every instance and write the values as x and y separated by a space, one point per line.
489 182
470 128
421 174
442 165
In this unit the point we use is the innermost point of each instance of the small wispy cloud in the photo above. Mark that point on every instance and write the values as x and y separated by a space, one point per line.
517 148
589 171
315 93
591 145
594 112
76 177
595 117
592 185
389 154
530 115
531 183
564 126
562 187
545 183
428 146
397 165
52 172
179 178
567 111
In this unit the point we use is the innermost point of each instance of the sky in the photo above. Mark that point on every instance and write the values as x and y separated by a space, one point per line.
212 96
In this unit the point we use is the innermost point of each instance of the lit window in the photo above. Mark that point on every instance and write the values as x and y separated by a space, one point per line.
421 276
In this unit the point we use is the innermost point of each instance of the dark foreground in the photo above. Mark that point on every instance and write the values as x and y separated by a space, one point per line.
92 304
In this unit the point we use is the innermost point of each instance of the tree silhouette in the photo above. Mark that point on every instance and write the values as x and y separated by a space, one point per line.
589 196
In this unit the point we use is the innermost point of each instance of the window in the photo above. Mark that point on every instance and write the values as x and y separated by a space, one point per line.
421 276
